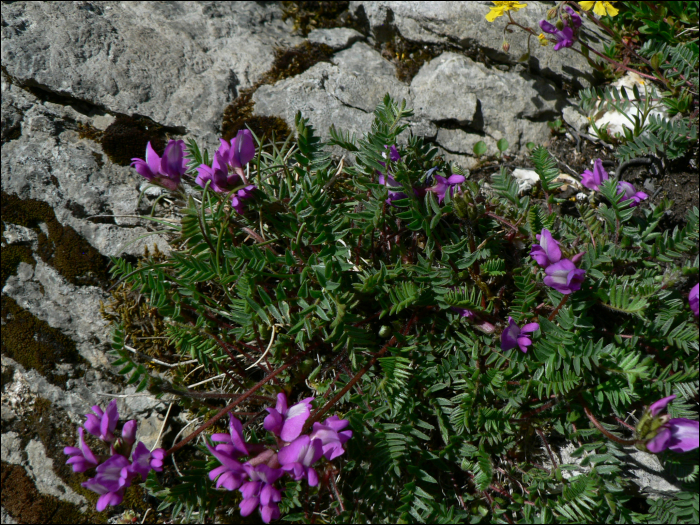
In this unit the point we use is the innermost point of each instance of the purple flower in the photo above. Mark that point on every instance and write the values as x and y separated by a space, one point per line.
129 432
82 457
564 277
241 195
660 405
231 473
547 252
112 478
393 154
630 192
165 171
144 460
564 37
463 312
102 424
260 491
573 17
446 184
693 299
287 423
593 179
514 336
678 434
235 445
390 183
239 152
332 436
218 174
297 458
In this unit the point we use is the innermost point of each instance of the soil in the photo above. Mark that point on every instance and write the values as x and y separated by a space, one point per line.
677 180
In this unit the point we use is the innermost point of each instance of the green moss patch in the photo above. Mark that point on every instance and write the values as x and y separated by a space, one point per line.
25 504
288 63
127 137
308 16
12 255
34 344
63 248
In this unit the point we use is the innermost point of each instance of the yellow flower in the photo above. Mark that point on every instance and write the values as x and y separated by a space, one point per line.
500 9
599 8
543 39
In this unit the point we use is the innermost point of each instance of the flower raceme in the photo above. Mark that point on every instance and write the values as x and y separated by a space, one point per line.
116 473
630 192
293 454
226 171
561 274
593 179
658 432
166 171
443 185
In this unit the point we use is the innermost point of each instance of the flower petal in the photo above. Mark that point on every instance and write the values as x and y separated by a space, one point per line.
660 405
660 442
684 434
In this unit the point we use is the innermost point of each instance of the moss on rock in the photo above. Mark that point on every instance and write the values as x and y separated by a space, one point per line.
34 344
12 255
308 16
127 137
288 63
25 504
63 248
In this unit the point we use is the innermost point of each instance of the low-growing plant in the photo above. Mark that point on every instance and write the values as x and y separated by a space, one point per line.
467 334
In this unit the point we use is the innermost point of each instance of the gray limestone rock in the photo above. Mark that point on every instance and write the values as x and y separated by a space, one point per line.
463 24
644 469
336 38
499 104
40 469
179 63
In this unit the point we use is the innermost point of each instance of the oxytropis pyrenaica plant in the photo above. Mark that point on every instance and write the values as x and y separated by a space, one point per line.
430 343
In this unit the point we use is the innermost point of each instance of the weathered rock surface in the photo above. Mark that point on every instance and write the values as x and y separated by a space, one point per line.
336 38
462 100
463 24
180 63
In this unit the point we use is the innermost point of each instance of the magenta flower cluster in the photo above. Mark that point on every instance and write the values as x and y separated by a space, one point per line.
226 172
114 473
166 171
593 179
677 434
561 274
293 454
566 35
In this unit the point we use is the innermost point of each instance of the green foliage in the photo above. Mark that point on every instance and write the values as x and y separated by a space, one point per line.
391 310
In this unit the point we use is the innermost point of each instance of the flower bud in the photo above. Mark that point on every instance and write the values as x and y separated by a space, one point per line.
506 46
551 13
560 25
129 432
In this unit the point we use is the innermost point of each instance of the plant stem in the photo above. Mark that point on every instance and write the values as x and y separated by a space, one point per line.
556 310
605 432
